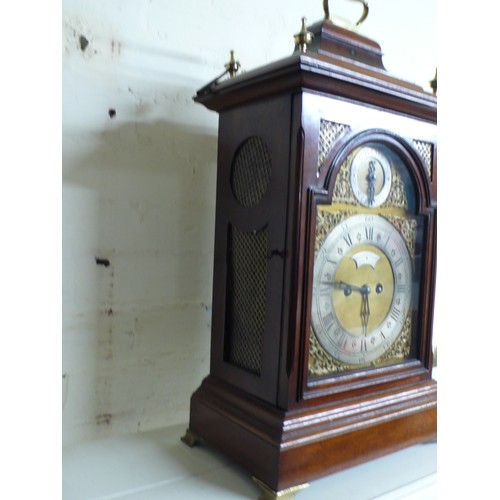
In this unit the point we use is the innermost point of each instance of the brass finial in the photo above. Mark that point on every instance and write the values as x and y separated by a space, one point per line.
434 83
335 20
232 66
304 37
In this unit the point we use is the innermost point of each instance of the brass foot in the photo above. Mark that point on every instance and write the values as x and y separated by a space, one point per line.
286 494
190 438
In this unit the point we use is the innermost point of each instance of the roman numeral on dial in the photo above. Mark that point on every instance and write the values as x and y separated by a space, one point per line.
395 314
328 320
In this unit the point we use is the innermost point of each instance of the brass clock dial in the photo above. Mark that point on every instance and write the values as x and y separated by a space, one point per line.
361 289
371 176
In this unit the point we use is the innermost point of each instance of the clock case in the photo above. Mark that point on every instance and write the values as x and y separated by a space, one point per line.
258 405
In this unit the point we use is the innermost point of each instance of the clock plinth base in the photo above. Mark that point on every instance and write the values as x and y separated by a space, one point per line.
285 449
269 494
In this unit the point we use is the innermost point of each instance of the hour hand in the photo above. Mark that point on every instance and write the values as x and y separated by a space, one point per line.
342 285
348 288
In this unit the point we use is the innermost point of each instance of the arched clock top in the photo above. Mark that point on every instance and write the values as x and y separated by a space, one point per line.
377 169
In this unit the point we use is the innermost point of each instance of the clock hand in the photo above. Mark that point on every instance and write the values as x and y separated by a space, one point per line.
364 291
371 178
348 288
365 312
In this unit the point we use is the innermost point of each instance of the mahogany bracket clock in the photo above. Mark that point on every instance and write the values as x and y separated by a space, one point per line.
325 263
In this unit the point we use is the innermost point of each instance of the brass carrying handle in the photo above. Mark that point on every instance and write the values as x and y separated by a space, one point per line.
364 15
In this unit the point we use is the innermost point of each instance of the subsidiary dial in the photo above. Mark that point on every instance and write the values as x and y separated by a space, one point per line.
371 176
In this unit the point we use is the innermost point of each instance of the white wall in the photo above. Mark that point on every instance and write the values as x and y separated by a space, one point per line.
139 187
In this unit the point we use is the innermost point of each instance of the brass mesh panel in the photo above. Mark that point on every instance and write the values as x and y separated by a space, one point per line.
425 150
251 172
246 302
328 133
